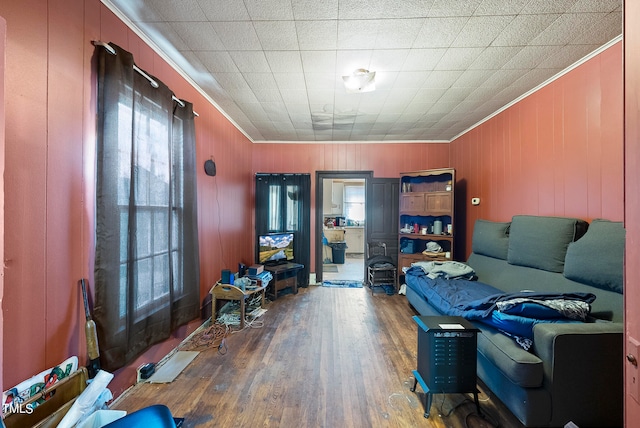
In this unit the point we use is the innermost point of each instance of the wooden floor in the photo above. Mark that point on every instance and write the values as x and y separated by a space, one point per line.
325 357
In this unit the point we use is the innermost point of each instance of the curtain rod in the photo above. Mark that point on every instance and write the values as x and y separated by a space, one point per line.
153 83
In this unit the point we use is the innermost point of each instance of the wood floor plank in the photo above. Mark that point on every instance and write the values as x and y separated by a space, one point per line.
325 357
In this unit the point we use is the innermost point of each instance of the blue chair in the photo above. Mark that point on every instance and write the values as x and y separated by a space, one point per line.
156 416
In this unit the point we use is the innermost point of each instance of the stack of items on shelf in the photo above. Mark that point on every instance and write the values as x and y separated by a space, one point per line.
258 276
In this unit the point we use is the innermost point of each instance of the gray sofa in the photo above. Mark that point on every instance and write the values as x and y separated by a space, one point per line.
573 371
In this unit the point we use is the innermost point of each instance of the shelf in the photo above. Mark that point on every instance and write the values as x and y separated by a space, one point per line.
425 197
428 236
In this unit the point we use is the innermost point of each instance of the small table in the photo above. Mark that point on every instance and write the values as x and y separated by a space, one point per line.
284 275
230 292
447 352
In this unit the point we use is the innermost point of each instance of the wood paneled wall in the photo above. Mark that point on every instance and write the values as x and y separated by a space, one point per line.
50 176
558 152
386 160
632 203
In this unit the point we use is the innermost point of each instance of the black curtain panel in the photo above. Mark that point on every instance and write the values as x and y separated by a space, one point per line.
283 204
146 260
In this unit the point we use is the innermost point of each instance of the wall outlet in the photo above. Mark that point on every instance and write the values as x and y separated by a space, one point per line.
475 201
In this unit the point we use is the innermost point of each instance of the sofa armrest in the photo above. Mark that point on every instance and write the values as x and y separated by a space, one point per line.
583 369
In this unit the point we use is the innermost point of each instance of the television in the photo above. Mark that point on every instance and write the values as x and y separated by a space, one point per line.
275 247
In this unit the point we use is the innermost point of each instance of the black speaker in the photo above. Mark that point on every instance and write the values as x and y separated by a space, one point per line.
210 167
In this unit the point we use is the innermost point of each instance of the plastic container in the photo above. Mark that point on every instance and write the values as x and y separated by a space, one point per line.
337 252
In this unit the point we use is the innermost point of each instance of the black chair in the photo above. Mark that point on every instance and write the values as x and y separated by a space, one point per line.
156 416
381 269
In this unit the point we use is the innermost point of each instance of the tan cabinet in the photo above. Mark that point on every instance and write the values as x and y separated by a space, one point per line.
354 237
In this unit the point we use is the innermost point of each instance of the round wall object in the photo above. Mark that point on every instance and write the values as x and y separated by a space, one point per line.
210 167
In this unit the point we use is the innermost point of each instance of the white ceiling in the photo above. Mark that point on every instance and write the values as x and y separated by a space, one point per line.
275 67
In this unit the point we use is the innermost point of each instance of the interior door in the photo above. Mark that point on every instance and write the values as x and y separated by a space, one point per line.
382 213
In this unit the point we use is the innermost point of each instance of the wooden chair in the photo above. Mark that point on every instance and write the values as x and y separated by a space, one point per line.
381 270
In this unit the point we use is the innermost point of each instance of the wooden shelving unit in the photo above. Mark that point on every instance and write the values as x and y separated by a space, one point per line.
426 197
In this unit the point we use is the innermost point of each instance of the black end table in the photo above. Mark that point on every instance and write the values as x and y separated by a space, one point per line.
447 351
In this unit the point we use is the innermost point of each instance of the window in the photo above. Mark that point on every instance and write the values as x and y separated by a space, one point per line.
354 202
146 267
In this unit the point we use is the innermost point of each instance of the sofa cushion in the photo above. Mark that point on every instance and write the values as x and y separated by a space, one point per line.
541 242
521 367
596 259
491 238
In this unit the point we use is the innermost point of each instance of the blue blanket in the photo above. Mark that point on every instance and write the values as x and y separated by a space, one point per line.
477 301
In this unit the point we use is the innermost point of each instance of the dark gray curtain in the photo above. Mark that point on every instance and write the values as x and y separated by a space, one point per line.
283 204
146 264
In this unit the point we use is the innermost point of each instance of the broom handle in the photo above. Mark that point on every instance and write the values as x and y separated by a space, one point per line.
84 297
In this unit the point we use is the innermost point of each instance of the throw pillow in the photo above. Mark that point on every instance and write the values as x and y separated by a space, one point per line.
597 258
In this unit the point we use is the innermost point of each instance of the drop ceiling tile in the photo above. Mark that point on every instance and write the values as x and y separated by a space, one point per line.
411 79
453 8
250 61
347 61
481 30
562 29
294 96
231 81
253 111
500 7
493 58
290 81
190 63
501 78
217 61
439 32
237 35
472 78
243 96
442 78
319 61
320 97
276 111
523 28
198 36
542 7
530 56
260 10
423 59
261 82
284 61
388 59
595 6
454 95
186 10
397 33
418 107
429 95
400 96
321 81
458 58
223 10
166 37
314 9
317 35
568 55
277 35
603 31
385 80
357 34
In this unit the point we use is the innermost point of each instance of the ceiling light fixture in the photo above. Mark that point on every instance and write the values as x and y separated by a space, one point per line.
360 80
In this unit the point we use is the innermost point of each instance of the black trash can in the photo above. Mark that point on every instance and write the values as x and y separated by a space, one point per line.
337 252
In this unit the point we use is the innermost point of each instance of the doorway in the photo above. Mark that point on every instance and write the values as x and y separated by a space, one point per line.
341 224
